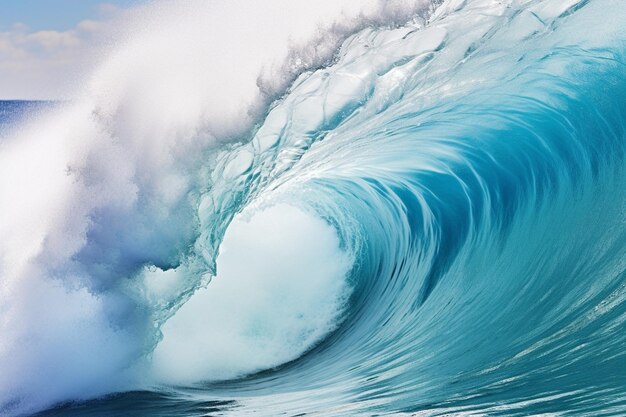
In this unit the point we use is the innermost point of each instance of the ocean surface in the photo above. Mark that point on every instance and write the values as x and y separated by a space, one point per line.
419 212
12 112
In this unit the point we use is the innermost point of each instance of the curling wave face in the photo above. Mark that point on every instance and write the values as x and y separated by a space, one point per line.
443 202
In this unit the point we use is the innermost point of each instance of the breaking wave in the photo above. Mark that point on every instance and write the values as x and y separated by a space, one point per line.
327 209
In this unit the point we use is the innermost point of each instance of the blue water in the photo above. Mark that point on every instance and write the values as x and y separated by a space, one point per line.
475 173
12 111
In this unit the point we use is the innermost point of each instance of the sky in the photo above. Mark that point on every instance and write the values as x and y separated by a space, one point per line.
54 14
46 44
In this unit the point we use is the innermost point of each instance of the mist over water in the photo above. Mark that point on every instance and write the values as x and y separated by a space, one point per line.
288 294
329 208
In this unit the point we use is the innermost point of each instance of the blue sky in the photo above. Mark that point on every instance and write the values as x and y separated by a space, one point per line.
52 14
45 45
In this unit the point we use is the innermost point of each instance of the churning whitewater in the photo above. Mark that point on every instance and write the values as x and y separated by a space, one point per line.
328 208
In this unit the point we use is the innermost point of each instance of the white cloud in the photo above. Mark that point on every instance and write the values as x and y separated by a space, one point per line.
90 25
51 41
109 9
49 64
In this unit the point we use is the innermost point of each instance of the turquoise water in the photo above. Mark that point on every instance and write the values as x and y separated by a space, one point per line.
454 242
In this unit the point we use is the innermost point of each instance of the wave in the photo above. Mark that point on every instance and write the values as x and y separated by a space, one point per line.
419 211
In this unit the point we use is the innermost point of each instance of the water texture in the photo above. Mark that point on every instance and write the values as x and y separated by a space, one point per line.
424 216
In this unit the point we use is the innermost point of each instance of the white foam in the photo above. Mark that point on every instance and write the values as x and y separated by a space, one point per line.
280 289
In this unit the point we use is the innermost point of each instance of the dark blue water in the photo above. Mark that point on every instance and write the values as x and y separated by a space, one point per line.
14 111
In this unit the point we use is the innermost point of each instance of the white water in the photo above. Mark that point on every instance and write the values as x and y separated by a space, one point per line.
281 287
